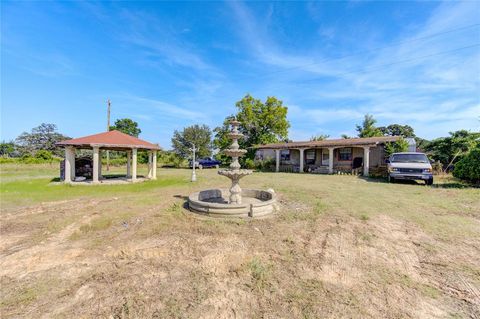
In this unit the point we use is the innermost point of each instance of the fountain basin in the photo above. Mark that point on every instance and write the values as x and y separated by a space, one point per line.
235 174
234 152
214 202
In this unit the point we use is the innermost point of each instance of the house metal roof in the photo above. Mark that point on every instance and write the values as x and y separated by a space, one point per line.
113 140
344 142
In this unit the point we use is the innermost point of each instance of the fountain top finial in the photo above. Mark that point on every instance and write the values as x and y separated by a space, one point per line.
234 122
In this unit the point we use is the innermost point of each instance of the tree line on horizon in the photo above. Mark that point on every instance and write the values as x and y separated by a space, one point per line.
262 122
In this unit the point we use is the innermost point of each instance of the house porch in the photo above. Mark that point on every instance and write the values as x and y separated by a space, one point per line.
323 160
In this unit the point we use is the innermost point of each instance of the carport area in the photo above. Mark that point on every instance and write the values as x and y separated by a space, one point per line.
109 141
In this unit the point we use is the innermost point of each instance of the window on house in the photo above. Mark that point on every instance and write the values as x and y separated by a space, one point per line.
285 155
310 157
345 154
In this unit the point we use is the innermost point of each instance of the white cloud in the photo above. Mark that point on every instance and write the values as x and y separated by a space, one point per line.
158 108
421 78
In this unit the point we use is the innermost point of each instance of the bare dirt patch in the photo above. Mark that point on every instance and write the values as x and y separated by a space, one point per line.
144 255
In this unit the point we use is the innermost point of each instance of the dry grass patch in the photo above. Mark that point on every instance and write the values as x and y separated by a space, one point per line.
342 247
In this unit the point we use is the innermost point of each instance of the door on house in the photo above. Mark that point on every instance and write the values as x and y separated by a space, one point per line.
325 157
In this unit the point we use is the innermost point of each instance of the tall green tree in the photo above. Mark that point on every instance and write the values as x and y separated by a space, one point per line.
127 126
320 137
200 135
397 130
42 137
396 147
7 148
261 123
368 128
448 150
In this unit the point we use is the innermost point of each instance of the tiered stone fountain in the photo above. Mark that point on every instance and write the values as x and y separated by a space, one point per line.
235 202
235 173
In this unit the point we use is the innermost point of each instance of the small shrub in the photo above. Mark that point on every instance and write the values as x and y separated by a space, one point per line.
437 168
26 159
249 163
116 161
44 155
171 159
468 168
264 165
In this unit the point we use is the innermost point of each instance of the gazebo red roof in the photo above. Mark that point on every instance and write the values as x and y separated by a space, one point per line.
110 140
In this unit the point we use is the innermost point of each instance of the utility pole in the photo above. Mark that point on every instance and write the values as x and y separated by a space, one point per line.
108 129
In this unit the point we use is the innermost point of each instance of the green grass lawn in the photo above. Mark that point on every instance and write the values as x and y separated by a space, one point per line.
341 246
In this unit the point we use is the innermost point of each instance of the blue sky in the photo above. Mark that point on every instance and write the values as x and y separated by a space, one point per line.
172 64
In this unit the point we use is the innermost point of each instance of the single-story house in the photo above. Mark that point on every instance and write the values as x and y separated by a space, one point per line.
327 156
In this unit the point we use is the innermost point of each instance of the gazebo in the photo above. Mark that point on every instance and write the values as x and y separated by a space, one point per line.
114 141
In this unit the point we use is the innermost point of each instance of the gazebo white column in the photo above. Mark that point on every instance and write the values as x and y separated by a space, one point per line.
302 160
134 165
69 169
366 160
72 163
154 164
100 177
330 160
150 168
277 161
129 164
96 151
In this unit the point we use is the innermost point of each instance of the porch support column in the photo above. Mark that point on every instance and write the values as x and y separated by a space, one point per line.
129 164
302 160
154 164
134 165
277 161
68 164
150 168
330 160
96 151
366 160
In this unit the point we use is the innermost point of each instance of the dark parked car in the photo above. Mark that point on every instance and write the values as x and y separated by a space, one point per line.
206 163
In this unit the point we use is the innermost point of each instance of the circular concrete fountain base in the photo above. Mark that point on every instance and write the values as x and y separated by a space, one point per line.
214 202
